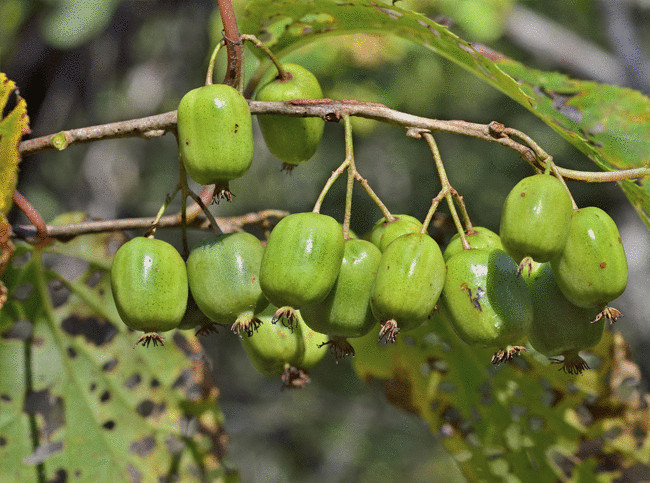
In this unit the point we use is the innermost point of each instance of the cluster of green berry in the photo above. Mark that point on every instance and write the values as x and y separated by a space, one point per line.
575 265
325 289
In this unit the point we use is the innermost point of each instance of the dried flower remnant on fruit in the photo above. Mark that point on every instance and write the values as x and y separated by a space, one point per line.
507 354
339 347
151 337
610 313
249 327
294 378
287 316
388 332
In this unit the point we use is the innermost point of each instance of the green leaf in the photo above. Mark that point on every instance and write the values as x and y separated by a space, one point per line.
524 420
78 398
611 125
12 128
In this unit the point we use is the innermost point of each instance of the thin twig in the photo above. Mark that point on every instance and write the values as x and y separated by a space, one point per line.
332 111
32 215
227 224
446 191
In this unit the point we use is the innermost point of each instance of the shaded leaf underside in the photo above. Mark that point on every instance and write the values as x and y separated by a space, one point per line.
524 420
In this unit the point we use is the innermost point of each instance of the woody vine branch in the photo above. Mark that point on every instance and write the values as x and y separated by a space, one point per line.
332 111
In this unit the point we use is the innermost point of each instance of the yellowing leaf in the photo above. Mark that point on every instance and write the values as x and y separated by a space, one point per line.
12 129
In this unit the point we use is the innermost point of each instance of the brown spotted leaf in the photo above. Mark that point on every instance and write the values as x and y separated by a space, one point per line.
13 126
524 420
78 400
609 124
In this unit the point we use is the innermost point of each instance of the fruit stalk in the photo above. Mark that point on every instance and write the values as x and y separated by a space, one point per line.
446 190
182 180
373 196
213 58
335 175
349 156
168 199
259 44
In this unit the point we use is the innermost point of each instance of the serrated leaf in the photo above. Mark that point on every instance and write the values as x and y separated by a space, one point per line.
524 421
13 127
77 398
611 125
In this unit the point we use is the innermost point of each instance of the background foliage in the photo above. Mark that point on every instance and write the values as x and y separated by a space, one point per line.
115 64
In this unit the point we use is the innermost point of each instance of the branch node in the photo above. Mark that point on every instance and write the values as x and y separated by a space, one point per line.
497 130
153 133
416 132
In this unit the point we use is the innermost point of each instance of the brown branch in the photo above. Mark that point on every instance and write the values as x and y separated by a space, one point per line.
65 232
333 111
234 43
146 127
40 229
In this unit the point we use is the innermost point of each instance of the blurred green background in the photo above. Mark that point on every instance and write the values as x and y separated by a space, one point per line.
80 63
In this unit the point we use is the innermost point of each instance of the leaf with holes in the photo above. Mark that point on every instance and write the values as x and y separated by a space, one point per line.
609 124
78 401
523 420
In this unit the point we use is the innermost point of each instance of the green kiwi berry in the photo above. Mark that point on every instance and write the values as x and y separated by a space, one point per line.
293 140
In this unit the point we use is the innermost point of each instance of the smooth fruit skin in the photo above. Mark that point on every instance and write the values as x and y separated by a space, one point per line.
479 238
592 269
559 327
314 343
345 312
215 134
302 260
149 284
223 274
385 232
409 281
535 218
274 346
488 304
291 139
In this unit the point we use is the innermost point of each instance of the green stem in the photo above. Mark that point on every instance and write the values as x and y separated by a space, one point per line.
551 167
352 169
446 191
40 284
540 154
197 199
434 206
168 199
335 175
213 58
282 74
182 183
213 223
29 388
469 228
382 207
